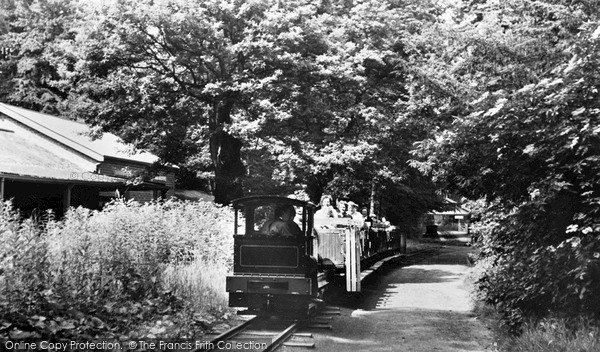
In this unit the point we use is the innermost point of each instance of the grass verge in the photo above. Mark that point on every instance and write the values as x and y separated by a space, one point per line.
544 335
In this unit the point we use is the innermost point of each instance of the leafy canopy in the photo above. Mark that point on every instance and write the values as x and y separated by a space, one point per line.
528 140
270 96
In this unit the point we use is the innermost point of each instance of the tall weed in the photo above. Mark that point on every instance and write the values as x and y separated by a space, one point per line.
23 261
200 284
127 252
556 335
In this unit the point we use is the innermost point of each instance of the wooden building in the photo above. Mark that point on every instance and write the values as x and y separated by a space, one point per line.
451 219
47 162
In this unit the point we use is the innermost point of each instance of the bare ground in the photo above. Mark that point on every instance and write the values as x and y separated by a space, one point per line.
419 308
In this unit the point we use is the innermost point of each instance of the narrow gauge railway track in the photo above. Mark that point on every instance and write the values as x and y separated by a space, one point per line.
260 334
264 334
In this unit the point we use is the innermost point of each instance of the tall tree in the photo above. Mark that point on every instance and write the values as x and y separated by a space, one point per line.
348 126
37 37
169 76
265 96
528 140
292 90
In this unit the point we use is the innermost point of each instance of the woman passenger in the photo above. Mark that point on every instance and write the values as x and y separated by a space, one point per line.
327 210
343 209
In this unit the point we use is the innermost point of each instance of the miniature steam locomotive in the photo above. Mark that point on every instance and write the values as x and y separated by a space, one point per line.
276 272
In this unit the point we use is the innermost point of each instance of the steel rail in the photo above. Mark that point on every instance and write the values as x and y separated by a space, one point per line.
228 334
275 343
282 337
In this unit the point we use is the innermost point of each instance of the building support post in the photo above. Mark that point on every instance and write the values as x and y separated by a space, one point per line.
67 198
372 197
1 189
402 243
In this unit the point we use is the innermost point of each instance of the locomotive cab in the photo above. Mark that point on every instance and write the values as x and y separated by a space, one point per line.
274 270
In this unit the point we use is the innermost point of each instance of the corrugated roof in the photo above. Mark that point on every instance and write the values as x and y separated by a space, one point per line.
22 157
451 207
76 135
459 211
193 195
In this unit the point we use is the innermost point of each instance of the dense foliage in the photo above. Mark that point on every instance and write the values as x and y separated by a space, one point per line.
331 96
529 142
268 96
124 267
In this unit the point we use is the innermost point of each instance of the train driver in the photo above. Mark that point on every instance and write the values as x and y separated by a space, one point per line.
283 225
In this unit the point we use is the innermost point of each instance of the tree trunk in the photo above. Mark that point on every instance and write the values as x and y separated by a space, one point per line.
373 195
225 154
229 169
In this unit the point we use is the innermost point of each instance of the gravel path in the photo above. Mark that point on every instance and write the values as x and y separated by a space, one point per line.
419 308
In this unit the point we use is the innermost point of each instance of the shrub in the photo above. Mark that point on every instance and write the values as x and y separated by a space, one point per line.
23 261
124 249
120 256
546 261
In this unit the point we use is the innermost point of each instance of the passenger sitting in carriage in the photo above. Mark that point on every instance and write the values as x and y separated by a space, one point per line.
355 215
327 210
283 225
343 209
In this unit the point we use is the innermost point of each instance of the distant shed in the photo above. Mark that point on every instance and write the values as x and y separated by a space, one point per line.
452 218
47 162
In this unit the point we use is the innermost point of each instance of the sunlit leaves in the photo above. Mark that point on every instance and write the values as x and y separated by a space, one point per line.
331 82
528 143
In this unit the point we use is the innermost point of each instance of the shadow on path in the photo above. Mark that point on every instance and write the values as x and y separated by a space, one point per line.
420 277
422 307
